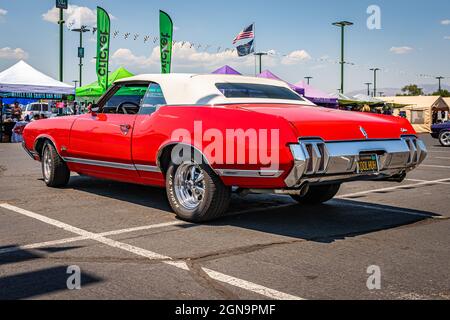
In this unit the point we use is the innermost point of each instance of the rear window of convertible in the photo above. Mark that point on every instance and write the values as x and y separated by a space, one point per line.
254 90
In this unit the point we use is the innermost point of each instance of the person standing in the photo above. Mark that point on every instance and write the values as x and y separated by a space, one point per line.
16 113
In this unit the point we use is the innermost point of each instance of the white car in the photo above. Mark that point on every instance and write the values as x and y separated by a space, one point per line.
37 108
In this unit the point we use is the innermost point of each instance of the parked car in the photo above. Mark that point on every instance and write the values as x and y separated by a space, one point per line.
441 131
200 135
37 108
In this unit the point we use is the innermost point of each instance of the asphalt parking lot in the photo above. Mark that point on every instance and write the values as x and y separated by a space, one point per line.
129 245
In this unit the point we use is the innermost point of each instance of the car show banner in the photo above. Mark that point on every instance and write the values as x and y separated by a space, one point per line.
103 39
165 35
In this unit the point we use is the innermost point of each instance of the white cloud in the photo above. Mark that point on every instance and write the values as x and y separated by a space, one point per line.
401 50
3 12
75 16
9 53
190 59
295 57
447 37
445 22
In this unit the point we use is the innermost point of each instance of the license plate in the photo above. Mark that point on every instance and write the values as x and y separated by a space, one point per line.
367 163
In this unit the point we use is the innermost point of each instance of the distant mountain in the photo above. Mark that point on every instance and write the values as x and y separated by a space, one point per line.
427 88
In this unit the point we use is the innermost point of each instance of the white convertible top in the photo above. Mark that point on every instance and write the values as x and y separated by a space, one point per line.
200 89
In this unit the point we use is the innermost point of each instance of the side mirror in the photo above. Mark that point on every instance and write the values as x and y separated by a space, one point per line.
94 110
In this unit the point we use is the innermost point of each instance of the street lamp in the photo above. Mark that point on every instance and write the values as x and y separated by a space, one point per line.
75 82
375 80
81 50
440 78
308 79
260 54
368 84
342 25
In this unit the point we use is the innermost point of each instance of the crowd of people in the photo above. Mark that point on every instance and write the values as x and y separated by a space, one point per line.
14 117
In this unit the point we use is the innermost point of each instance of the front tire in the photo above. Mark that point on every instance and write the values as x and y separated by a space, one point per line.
54 170
195 192
318 194
444 138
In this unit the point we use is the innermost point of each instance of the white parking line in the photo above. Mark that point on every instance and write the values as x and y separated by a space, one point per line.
361 193
270 293
417 180
80 238
434 166
250 286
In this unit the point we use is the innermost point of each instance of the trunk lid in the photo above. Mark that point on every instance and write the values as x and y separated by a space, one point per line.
334 125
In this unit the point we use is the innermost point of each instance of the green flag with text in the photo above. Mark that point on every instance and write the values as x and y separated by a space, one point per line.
103 39
165 36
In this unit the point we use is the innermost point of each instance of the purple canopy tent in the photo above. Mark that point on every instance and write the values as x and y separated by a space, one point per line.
269 75
318 97
226 70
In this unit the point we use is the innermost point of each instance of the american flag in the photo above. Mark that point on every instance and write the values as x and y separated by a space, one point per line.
247 33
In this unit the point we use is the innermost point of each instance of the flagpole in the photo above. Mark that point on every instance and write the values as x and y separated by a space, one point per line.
254 45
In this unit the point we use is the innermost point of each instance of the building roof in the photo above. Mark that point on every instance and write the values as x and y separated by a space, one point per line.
193 89
447 101
418 102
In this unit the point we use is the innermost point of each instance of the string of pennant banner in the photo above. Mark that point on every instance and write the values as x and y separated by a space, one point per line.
149 39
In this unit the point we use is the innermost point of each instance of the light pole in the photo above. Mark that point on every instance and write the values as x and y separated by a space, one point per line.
308 79
81 30
375 80
61 5
342 25
368 84
260 54
440 78
75 82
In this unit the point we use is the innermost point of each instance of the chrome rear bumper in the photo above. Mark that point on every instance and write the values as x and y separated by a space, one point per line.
316 161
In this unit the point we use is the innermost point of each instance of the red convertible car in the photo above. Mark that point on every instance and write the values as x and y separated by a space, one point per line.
200 136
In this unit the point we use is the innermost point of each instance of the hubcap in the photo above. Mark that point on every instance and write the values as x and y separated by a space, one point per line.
47 161
189 185
445 138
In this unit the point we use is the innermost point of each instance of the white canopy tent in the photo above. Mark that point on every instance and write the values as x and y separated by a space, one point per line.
23 78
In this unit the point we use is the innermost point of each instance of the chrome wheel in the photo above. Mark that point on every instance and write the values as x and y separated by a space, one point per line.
189 185
445 138
47 164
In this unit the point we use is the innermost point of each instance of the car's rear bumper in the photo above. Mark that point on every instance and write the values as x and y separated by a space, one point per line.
316 161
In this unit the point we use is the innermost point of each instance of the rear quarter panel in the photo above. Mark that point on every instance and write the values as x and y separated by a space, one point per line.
151 133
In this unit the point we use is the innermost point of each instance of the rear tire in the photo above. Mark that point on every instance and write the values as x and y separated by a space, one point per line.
195 192
318 194
444 138
54 170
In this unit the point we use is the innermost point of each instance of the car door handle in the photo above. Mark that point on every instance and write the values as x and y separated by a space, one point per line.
125 128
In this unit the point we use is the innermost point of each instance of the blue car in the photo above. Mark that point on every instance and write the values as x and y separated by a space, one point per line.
441 131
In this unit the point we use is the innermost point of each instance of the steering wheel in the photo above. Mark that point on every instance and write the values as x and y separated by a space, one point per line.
122 107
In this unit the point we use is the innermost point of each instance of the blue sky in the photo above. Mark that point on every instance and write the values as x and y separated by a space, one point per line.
413 45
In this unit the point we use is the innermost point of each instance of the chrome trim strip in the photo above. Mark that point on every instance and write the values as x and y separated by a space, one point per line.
249 173
97 163
32 154
146 168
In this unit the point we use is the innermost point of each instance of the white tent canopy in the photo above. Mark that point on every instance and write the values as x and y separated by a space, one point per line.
23 78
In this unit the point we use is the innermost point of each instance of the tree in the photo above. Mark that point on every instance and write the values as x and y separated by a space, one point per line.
443 93
411 90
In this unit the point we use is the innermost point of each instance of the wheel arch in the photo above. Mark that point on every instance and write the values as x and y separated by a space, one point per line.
164 155
40 142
